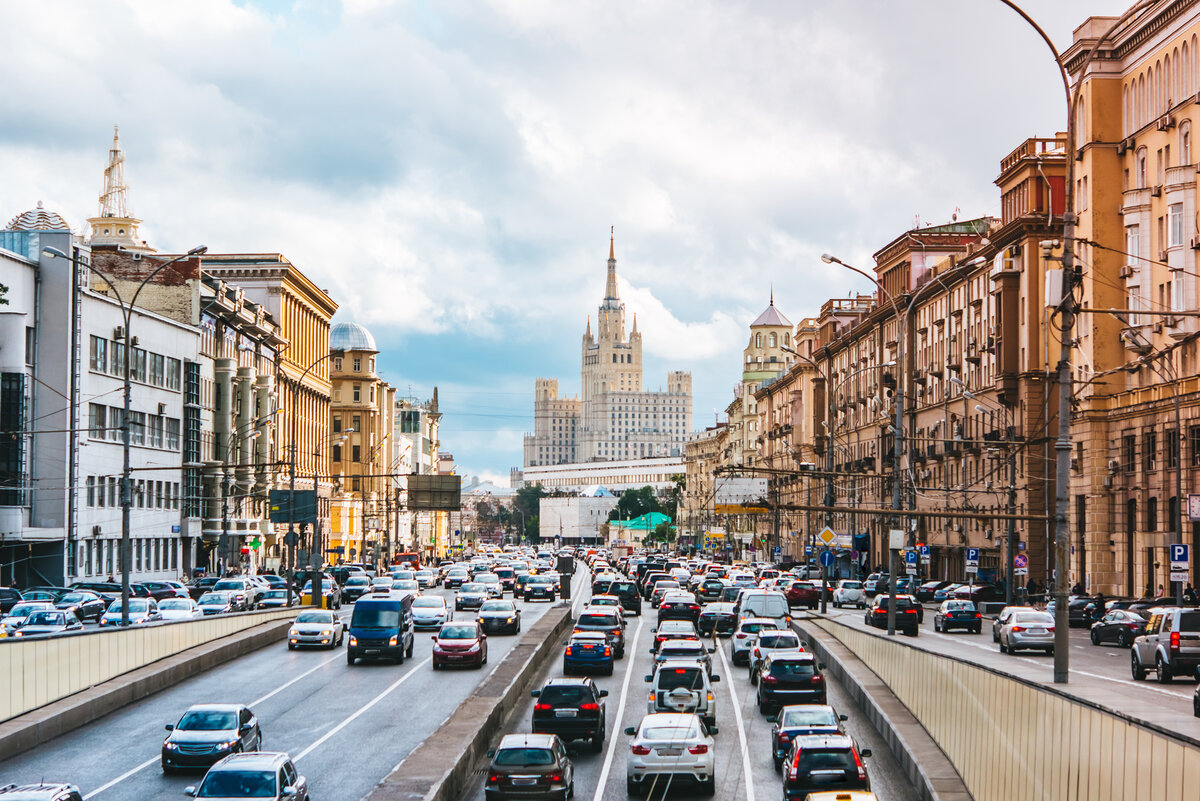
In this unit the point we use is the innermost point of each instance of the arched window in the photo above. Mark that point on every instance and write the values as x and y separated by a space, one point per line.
758 340
1081 136
1140 176
1141 101
771 340
1126 118
1185 143
1185 73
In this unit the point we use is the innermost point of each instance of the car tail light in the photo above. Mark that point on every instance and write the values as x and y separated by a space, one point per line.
710 698
817 679
607 651
698 749
783 738
570 651
910 611
1049 628
652 697
1132 626
862 773
641 750
589 707
493 778
1018 628
543 707
695 608
768 679
978 615
554 778
577 631
1175 641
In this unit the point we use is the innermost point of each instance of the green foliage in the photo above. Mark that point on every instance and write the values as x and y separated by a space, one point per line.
635 503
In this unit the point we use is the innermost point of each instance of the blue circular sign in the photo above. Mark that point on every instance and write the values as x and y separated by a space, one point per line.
826 558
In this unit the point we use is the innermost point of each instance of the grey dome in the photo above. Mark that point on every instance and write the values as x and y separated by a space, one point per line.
351 336
39 219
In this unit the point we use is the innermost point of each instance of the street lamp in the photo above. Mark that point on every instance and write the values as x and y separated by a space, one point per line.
126 468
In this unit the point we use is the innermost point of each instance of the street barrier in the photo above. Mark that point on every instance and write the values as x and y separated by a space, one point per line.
1011 739
40 671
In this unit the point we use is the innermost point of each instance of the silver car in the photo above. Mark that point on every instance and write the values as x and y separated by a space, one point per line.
670 747
1027 629
430 612
319 627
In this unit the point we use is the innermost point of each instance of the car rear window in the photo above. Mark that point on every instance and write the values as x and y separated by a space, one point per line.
793 669
754 628
667 652
598 620
673 678
808 716
524 756
671 733
840 759
1189 621
565 696
779 641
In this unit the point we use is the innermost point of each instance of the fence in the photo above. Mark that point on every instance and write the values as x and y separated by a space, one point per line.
1013 740
41 671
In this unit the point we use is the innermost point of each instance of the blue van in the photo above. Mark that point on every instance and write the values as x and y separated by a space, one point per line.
381 628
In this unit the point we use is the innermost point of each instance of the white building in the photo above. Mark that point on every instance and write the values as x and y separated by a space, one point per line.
574 520
616 476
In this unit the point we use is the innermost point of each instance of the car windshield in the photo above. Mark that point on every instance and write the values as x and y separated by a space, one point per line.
428 602
673 678
135 605
472 587
457 633
689 650
497 606
375 618
208 720
175 603
406 584
524 756
754 628
271 594
315 617
357 581
74 597
1034 619
718 609
21 610
565 696
238 784
605 602
228 584
541 580
812 759
809 716
792 669
487 578
213 599
45 618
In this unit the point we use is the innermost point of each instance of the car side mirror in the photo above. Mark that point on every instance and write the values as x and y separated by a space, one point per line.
245 728
715 679
651 651
821 665
433 637
771 719
649 679
604 693
631 730
190 791
169 727
491 753
536 693
866 752
289 791
713 730
843 717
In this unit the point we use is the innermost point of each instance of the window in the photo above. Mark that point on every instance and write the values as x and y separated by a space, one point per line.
1172 448
172 433
357 420
1152 514
138 367
98 359
337 364
357 364
158 369
1128 452
356 453
91 490
1194 439
1150 451
1185 144
173 372
1141 169
337 424
337 453
113 492
771 340
116 362
357 393
97 418
1176 230
115 427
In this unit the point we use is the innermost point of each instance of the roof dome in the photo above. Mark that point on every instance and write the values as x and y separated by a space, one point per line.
38 219
771 317
351 336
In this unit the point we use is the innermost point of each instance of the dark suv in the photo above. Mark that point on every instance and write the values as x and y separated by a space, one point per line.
789 677
907 619
818 763
594 619
572 709
627 591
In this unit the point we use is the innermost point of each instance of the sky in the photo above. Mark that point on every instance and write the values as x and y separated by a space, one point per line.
450 170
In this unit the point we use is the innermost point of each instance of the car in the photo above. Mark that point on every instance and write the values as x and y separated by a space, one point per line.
823 762
262 775
588 651
141 611
849 592
875 583
319 627
245 592
669 747
216 603
682 686
381 628
684 650
331 594
767 641
608 622
717 617
945 593
491 583
9 597
624 589
801 720
426 579
678 605
42 791
710 589
430 611
200 585
608 602
538 588
384 583
83 603
1170 646
764 605
661 588
1005 614
273 581
45 622
207 733
674 630
397 574
179 609
1027 629
500 616
460 643
455 578
411 586
356 586
19 613
804 593
957 614
470 596
529 766
907 619
743 638
160 590
274 599
573 709
507 576
788 677
979 593
925 592
1121 626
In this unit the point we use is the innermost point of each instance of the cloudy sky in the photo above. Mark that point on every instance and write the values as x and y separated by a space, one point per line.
449 170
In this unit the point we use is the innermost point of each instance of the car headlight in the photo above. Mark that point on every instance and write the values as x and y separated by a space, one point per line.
393 640
170 746
18 634
510 620
225 746
326 632
473 649
293 633
353 640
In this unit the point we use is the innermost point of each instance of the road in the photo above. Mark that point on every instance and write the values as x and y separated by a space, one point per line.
1098 673
346 727
744 768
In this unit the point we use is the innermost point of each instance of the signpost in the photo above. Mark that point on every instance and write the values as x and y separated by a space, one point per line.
910 562
1193 508
926 557
1180 568
1020 565
972 561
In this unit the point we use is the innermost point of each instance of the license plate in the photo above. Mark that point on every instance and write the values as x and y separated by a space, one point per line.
565 713
1037 631
669 751
524 782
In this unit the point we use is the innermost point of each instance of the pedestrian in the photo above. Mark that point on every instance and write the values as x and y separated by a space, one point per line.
1149 593
1031 587
1160 591
110 579
1077 589
1189 595
1098 608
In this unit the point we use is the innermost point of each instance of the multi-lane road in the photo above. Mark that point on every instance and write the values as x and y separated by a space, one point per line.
744 769
346 727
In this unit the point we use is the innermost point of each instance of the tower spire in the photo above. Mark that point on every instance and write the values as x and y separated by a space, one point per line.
772 293
113 201
610 290
612 243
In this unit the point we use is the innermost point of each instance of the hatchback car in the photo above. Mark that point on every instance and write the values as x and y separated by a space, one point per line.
957 614
789 677
500 616
318 627
907 618
1027 629
1121 626
430 611
491 582
573 709
801 720
470 596
824 763
141 611
717 618
460 644
45 622
677 605
668 748
743 638
83 603
207 733
529 766
588 651
216 603
264 775
848 592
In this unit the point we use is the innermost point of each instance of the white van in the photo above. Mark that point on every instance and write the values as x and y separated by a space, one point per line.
768 604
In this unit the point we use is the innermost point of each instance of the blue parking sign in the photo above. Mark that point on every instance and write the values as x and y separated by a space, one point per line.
910 557
973 556
1179 556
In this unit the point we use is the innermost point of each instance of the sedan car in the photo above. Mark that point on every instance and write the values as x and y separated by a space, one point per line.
318 627
262 775
671 747
331 594
160 590
245 592
216 603
676 605
470 596
276 599
801 720
691 650
945 593
430 612
1028 629
17 616
957 614
908 619
179 609
207 733
717 617
356 586
491 583
573 709
588 651
537 588
455 578
141 611
607 622
44 622
426 579
1120 626
529 766
500 616
83 603
849 592
460 644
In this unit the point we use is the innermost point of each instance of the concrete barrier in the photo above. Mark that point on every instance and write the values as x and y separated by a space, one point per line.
1012 739
439 769
44 670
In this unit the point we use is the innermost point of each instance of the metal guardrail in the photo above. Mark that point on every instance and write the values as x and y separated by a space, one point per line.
46 669
1011 739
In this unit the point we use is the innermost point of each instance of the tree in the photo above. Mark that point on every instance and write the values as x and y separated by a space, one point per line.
635 503
528 502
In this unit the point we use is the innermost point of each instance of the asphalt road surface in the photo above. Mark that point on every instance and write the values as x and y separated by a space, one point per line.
744 769
346 727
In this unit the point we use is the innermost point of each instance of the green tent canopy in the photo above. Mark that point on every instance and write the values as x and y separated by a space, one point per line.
647 522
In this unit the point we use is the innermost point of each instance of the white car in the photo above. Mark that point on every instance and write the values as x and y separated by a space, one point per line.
768 641
319 627
849 592
430 612
671 746
179 609
20 612
610 602
743 637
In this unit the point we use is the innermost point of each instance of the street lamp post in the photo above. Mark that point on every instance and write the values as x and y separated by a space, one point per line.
126 465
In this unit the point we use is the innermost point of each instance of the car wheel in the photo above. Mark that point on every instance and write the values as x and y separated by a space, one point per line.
709 788
349 658
435 665
168 770
1135 667
995 636
1003 649
598 741
291 646
778 764
632 787
936 628
1124 640
1095 638
1162 669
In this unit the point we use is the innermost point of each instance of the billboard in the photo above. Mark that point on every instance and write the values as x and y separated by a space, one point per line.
734 496
305 507
434 493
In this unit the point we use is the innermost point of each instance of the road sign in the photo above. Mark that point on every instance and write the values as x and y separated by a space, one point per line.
827 536
973 557
1194 508
896 539
925 556
1179 559
778 551
1179 575
808 550
972 569
826 558
1021 565
910 557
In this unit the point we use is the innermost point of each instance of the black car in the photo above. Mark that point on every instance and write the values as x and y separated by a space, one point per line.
197 587
500 616
356 586
679 606
907 619
572 709
719 617
84 603
8 599
823 763
538 588
925 592
789 677
956 614
626 590
1120 626
207 733
801 720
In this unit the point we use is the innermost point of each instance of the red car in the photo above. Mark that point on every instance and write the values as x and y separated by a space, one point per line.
803 593
460 644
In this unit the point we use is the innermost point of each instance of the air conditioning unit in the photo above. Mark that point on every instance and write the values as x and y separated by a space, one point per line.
1166 121
1162 256
1156 191
808 466
1114 465
1194 242
1122 147
1156 328
119 332
1126 271
95 531
1108 482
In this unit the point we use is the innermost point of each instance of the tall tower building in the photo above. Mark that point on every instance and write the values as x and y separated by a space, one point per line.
115 225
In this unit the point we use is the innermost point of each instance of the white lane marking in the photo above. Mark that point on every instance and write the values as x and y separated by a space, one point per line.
253 703
362 709
737 714
614 732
